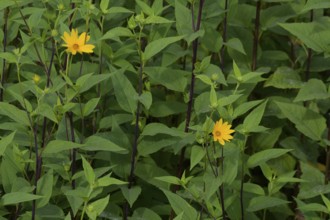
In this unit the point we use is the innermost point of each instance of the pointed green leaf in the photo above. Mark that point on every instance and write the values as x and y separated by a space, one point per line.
96 143
156 46
180 205
132 194
4 142
314 89
124 91
57 146
14 113
90 106
264 202
308 122
45 188
88 171
197 154
15 198
265 155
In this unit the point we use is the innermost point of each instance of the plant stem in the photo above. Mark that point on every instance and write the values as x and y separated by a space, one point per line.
44 124
131 177
242 186
73 151
5 30
222 196
224 38
309 52
192 83
256 36
327 169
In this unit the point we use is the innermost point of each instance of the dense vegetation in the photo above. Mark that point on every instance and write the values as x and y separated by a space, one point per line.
165 109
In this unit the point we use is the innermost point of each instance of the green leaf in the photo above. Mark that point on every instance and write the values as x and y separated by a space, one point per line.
169 179
253 119
284 78
245 107
237 71
4 142
146 99
167 108
145 8
117 32
45 188
14 113
15 198
316 4
96 143
88 171
10 57
108 181
265 155
314 89
197 154
308 122
126 98
154 19
172 79
213 98
315 35
45 110
180 205
236 44
145 213
104 5
132 194
106 122
205 79
156 46
158 128
224 101
57 146
183 19
94 209
264 202
90 106
116 10
326 202
253 188
87 81
313 207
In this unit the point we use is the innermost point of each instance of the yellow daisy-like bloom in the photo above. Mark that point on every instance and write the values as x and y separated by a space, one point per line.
76 44
221 132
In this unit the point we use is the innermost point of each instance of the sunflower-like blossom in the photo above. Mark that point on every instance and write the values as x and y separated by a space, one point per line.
75 43
221 132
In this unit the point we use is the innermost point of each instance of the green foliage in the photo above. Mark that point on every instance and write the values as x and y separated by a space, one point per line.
126 132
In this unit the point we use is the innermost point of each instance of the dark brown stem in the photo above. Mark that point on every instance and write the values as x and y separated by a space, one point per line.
192 83
241 189
309 52
222 196
36 167
224 38
5 30
327 165
73 151
256 37
131 178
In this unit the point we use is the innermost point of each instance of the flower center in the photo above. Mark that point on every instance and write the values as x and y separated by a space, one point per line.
218 133
76 46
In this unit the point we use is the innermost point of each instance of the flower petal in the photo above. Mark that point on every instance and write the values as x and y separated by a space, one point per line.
87 48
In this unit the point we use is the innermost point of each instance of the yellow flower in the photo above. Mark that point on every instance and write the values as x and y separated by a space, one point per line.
76 44
221 132
36 78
